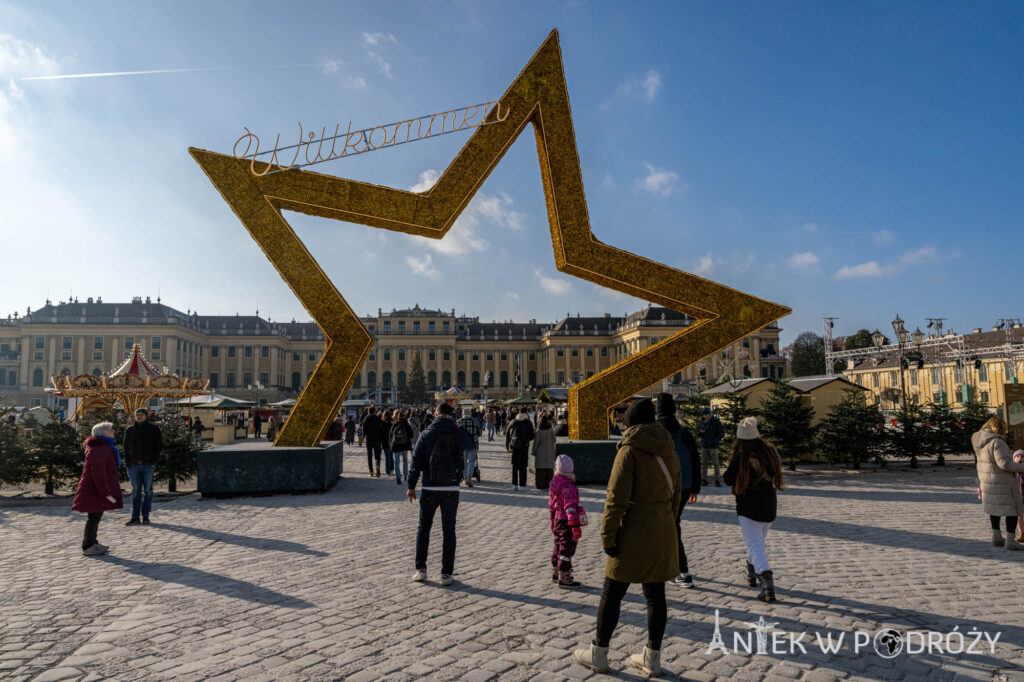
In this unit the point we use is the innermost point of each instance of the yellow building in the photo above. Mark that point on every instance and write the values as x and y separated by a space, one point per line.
818 392
249 357
951 369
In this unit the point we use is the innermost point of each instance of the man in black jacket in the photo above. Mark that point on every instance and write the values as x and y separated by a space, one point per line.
142 446
373 432
689 464
518 435
439 457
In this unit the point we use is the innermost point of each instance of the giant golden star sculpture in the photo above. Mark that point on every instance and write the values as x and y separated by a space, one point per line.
538 96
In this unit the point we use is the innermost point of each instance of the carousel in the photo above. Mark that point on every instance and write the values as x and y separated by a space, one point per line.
131 386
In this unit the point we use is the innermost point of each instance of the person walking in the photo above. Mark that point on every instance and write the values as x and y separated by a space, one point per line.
373 432
565 511
143 444
518 435
197 428
755 474
401 443
1000 490
438 457
489 420
689 462
471 425
710 431
99 488
544 454
257 425
271 429
389 455
637 528
350 430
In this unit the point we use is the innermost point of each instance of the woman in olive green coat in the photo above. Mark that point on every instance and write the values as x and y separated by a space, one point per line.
638 534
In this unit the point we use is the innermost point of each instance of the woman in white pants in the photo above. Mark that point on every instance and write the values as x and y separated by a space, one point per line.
755 474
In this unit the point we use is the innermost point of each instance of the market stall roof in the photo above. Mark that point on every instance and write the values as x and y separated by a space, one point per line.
359 402
225 404
287 402
553 395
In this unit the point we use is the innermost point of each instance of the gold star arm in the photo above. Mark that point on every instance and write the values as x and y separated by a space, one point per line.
538 96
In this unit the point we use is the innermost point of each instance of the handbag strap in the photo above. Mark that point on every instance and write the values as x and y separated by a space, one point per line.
668 478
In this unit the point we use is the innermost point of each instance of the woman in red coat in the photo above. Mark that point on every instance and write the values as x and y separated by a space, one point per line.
99 489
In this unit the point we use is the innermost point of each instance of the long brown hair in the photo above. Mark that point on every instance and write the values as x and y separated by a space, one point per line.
759 460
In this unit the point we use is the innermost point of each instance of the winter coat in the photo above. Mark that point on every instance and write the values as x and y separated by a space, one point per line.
710 432
350 432
564 500
686 450
544 449
373 428
271 429
640 511
386 433
99 479
759 501
425 446
142 443
519 433
1000 491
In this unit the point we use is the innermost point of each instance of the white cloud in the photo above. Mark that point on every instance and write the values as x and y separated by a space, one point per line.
925 254
553 285
809 227
657 181
422 266
513 295
643 87
357 83
484 209
18 59
804 260
608 182
378 44
706 265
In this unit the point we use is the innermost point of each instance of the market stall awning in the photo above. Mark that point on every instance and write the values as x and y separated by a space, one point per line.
225 404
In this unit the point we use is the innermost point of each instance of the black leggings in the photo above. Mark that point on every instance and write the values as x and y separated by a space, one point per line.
92 525
608 612
1011 523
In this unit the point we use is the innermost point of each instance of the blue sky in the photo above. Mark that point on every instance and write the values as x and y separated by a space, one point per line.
845 159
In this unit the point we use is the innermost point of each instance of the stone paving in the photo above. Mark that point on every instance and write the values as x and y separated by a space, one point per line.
316 587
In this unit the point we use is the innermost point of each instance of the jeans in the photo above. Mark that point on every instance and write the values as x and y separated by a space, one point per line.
709 456
754 534
519 461
404 454
611 601
389 461
490 431
91 526
141 476
470 463
430 500
373 451
684 565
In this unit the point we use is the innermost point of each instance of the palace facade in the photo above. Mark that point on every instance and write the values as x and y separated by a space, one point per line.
247 356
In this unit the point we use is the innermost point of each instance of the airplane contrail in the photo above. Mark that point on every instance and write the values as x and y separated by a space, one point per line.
109 74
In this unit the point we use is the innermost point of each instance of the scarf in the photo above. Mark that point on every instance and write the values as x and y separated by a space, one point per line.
113 443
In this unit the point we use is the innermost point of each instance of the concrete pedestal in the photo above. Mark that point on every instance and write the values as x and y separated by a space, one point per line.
592 459
255 467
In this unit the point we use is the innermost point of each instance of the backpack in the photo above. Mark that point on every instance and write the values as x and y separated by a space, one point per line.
399 438
447 466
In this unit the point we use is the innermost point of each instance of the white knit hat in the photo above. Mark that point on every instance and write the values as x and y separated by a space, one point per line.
747 430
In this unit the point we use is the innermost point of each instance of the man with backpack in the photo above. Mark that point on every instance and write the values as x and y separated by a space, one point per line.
373 431
439 458
518 435
710 431
471 425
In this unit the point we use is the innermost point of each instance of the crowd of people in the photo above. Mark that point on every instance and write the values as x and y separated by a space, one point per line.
658 470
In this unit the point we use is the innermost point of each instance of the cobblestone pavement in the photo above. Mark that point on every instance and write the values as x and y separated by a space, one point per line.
317 586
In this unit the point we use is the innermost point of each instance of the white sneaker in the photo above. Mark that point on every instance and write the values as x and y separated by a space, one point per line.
516 487
446 580
419 576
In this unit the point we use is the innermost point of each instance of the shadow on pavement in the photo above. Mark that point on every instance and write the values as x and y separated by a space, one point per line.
209 582
242 540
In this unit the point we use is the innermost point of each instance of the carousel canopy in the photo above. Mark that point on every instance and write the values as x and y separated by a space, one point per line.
136 364
454 390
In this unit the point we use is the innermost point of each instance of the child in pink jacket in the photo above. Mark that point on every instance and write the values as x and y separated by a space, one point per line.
564 507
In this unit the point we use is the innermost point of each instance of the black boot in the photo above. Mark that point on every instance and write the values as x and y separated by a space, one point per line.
767 587
751 576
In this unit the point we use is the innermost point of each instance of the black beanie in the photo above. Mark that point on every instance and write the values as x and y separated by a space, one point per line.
640 413
666 404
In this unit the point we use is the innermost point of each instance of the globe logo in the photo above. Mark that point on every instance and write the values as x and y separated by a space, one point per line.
888 643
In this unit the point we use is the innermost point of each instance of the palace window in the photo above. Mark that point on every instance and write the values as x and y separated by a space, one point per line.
476 379
983 373
65 355
66 344
265 351
297 380
561 379
913 377
231 351
214 380
447 354
387 326
214 351
533 355
155 345
560 352
265 379
371 379
504 379
893 380
432 354
97 343
373 355
37 377
401 355
532 378
231 379
984 396
476 355
874 380
936 376
401 327
312 356
490 355
462 355
40 342
386 380
387 355
416 327
431 380
431 326
358 383
590 351
575 351
746 343
248 351
246 379
958 374
446 327
461 379
604 351
446 379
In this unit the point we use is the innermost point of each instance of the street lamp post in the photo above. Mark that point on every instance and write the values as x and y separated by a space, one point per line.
902 335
